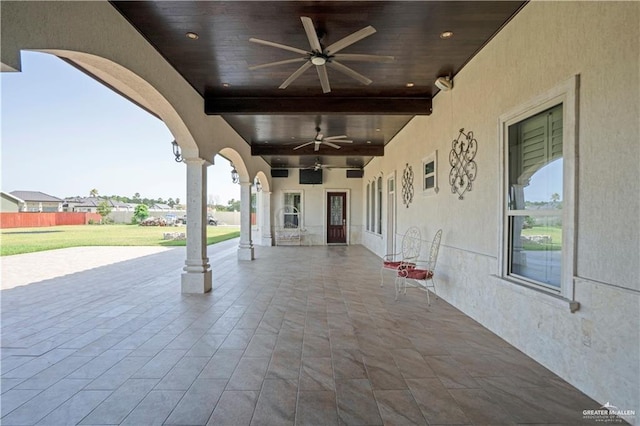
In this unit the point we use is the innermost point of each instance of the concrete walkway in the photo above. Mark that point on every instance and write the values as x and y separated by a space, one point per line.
22 269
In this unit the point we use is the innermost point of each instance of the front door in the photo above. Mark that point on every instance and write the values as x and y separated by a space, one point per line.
336 218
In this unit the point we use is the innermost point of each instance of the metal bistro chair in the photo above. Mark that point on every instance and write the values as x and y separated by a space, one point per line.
406 258
421 276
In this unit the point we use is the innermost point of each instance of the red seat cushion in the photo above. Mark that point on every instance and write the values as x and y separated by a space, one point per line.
395 265
416 274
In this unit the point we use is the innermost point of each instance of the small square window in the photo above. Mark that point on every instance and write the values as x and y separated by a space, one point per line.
429 174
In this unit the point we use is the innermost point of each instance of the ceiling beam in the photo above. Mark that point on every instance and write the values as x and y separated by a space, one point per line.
318 105
345 150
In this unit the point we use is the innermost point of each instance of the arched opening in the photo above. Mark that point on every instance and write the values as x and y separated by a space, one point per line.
113 156
67 135
245 248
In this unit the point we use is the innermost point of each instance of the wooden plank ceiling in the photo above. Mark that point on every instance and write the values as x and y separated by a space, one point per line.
274 121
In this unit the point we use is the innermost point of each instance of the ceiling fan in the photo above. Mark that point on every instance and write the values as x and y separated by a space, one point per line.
322 56
317 166
319 139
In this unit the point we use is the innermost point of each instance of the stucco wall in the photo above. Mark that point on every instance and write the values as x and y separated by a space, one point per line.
8 204
314 203
597 348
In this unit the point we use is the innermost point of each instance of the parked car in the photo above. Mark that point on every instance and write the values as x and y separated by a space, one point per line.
171 219
210 220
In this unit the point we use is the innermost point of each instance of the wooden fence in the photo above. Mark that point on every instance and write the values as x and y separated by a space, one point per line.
35 220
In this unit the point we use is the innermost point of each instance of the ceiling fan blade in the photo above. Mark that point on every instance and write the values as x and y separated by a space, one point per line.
324 78
273 64
303 145
350 39
295 75
332 145
364 58
329 138
348 71
278 45
307 23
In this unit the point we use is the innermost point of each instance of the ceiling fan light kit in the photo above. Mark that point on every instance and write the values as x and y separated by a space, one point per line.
321 57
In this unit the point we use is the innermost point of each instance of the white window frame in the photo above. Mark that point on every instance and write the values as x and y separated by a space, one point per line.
372 206
433 157
368 217
379 195
301 209
566 94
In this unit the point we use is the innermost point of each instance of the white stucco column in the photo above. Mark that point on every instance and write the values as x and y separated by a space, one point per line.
265 225
245 249
197 271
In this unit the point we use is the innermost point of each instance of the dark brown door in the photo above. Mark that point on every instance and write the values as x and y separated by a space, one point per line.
336 218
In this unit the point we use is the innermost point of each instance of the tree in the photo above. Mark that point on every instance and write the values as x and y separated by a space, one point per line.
140 213
529 222
103 209
555 197
233 205
93 193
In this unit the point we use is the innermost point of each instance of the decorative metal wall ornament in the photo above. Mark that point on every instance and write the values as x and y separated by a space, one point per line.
407 185
463 168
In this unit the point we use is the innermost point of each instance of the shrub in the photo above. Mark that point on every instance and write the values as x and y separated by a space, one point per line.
140 213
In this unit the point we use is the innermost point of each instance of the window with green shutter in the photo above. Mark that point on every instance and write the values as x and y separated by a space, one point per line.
535 196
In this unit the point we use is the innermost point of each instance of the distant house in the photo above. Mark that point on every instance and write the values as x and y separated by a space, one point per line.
36 201
160 207
10 203
90 204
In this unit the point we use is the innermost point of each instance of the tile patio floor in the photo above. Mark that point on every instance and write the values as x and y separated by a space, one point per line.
298 336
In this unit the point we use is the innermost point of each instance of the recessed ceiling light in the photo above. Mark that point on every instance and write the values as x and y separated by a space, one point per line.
368 141
192 35
377 130
446 34
226 85
409 84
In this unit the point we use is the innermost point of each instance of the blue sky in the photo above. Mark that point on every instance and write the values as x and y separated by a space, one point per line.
64 134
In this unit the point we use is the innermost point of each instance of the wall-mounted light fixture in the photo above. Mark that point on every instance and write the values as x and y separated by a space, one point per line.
258 185
444 83
176 151
235 176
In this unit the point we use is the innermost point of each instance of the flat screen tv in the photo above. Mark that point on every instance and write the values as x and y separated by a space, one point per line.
310 177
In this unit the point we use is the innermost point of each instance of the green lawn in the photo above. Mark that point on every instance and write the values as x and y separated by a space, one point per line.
27 240
555 232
